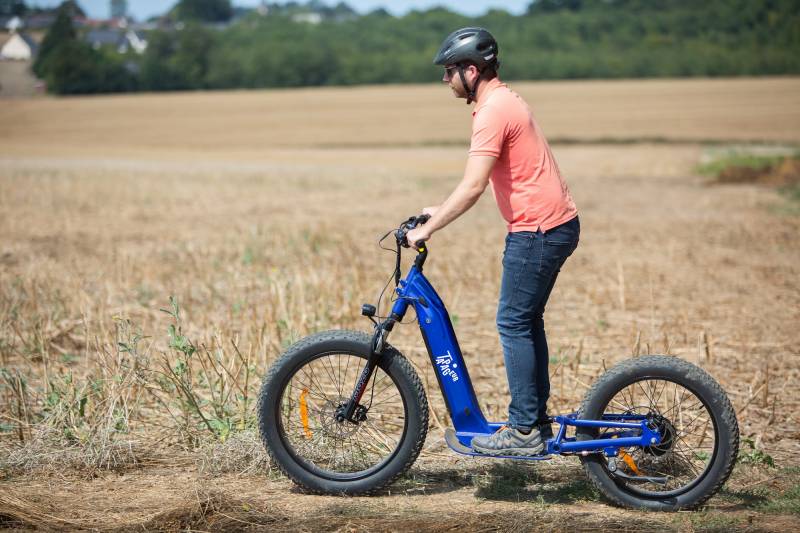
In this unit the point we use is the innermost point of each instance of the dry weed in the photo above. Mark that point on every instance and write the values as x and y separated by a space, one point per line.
50 452
241 453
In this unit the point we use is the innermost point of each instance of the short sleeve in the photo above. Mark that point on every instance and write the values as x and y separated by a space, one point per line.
488 132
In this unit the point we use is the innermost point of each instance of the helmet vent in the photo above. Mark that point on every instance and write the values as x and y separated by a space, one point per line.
468 45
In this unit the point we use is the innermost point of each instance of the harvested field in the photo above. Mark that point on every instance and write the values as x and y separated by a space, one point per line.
259 212
251 124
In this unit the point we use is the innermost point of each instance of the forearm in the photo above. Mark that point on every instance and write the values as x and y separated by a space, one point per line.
476 177
459 201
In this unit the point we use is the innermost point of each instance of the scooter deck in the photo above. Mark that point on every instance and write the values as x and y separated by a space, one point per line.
452 441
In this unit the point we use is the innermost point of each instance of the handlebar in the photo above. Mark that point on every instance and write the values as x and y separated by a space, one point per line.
400 236
401 241
408 225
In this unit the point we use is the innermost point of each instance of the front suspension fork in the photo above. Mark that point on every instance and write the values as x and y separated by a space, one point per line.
378 342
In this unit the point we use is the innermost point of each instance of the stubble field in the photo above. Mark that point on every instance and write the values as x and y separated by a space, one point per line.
259 212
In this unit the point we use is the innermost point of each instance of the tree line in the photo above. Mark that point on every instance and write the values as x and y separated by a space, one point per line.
554 39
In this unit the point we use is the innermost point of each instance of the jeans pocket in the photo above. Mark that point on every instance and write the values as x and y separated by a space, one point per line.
517 250
559 251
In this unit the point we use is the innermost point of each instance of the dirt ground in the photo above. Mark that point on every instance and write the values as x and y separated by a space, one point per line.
100 219
474 495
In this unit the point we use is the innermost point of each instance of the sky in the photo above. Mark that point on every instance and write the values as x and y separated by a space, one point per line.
143 9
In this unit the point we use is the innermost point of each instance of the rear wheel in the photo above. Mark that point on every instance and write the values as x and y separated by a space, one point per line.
698 427
300 408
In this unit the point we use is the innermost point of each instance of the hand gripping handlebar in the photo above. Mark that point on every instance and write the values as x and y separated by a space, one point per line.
408 225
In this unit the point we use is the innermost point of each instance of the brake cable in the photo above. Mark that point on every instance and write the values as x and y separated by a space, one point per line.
395 274
404 227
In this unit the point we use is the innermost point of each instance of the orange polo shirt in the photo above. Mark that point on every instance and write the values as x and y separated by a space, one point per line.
526 182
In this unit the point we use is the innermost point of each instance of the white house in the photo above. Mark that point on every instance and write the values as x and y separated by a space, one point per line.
14 24
121 40
309 18
135 40
20 47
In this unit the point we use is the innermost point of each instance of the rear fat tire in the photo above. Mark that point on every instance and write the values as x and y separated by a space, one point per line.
689 376
392 362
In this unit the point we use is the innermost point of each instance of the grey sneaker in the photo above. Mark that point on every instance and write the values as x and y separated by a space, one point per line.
509 441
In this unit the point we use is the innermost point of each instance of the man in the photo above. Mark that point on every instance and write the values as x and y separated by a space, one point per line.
509 150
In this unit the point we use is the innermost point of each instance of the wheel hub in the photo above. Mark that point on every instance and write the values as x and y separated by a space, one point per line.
359 415
667 432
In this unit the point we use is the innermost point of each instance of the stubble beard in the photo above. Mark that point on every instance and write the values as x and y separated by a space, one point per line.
456 92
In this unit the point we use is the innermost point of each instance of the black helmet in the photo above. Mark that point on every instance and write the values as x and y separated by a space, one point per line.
468 45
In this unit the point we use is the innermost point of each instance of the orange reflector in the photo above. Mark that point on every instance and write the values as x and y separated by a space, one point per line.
304 413
629 461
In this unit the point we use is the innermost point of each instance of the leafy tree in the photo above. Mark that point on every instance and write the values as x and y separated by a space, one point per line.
556 39
157 73
70 66
76 68
60 33
12 8
72 8
194 43
204 10
548 6
177 60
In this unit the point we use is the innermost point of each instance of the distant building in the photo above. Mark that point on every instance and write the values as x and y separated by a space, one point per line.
40 21
121 40
84 22
308 18
20 47
14 24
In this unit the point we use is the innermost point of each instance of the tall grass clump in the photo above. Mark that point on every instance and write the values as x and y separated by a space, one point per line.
209 384
78 420
130 393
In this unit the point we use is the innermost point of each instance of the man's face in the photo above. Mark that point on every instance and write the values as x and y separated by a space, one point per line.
453 79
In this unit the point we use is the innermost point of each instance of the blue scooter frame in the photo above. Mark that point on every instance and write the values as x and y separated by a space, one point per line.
623 430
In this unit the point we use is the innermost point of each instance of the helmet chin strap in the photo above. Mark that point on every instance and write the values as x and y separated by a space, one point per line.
471 93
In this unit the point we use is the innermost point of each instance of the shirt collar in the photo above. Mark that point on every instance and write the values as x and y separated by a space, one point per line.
485 91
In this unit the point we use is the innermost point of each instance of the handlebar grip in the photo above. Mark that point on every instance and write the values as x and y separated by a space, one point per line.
411 223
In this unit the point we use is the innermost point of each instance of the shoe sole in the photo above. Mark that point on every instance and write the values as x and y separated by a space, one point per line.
521 452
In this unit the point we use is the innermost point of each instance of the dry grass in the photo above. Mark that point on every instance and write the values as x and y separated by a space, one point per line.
16 80
479 495
241 453
108 206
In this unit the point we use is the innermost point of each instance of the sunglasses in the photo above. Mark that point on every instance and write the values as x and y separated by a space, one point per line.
450 71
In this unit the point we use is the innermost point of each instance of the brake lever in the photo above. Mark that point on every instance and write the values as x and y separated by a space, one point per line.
407 226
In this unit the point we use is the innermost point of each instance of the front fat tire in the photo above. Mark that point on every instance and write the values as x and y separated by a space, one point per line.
685 374
392 362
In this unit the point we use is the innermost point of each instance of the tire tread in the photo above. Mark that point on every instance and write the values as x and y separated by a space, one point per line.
640 363
405 368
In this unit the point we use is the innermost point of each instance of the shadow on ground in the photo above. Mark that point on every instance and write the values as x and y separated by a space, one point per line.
534 483
503 481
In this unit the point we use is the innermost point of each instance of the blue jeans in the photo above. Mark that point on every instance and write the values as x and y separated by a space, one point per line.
531 263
